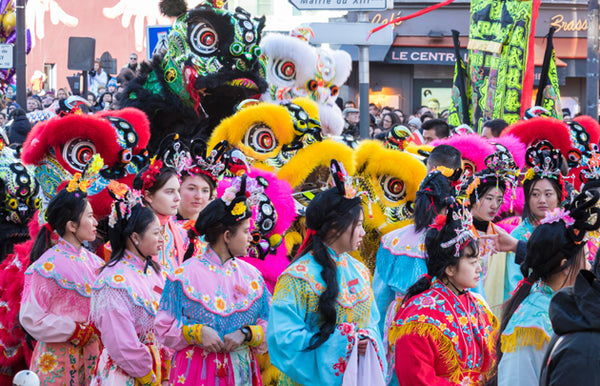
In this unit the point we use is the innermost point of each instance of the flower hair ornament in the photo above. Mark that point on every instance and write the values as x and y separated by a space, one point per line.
456 224
544 161
82 181
342 180
149 175
212 165
124 201
174 153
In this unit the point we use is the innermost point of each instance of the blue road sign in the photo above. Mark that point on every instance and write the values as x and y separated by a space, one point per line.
156 39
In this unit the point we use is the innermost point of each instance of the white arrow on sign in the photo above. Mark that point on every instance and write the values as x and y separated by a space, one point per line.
342 5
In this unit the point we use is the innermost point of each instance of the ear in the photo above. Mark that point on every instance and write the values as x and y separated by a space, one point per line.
136 238
450 270
227 236
71 226
563 262
148 196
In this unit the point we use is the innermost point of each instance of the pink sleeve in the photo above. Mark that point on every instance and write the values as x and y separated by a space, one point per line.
117 329
35 316
169 332
261 348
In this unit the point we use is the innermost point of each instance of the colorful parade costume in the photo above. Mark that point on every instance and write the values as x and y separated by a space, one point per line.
444 339
293 321
55 310
224 296
125 299
525 339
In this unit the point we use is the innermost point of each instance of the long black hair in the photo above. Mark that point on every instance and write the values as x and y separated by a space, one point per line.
433 195
326 228
118 234
64 207
548 246
439 257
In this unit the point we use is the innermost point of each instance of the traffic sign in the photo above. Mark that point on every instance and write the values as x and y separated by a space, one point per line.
351 33
6 56
342 5
157 39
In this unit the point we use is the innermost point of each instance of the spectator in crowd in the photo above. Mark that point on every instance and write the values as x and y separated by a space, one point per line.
104 102
48 99
388 121
422 110
2 119
62 94
400 115
92 99
96 77
351 124
133 64
348 104
385 110
427 115
435 129
33 104
11 92
414 124
374 110
493 128
112 86
17 133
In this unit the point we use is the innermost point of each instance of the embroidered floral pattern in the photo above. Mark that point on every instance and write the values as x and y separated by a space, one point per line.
47 362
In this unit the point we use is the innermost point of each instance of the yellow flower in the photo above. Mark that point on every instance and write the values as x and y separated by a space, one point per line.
178 271
220 304
529 175
88 288
463 320
47 362
181 379
443 326
73 184
450 318
422 318
455 339
238 209
118 278
95 164
48 266
83 185
254 285
189 353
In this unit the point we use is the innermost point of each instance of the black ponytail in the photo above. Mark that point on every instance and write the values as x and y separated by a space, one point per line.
334 225
64 207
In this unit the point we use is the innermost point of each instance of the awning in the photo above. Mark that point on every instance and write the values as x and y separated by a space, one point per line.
376 53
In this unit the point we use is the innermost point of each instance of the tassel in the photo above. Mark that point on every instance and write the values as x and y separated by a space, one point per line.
522 337
370 209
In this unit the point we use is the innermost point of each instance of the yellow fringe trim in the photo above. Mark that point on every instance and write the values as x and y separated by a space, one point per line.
447 353
524 336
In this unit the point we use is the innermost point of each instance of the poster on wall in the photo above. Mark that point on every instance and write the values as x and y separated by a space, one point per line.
435 94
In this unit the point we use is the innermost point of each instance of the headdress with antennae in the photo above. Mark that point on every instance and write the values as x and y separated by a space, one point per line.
174 153
544 161
212 165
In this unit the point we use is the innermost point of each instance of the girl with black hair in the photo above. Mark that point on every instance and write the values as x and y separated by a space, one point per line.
125 296
555 254
323 307
55 306
159 185
214 308
544 192
444 334
401 258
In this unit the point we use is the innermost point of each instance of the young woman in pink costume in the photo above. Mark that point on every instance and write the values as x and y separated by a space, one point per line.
55 306
125 297
214 308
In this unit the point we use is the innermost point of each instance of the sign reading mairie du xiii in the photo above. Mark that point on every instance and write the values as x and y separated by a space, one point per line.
342 5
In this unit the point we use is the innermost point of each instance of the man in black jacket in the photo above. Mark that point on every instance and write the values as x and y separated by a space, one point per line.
17 132
573 354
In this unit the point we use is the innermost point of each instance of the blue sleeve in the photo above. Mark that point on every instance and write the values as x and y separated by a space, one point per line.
376 335
383 295
512 275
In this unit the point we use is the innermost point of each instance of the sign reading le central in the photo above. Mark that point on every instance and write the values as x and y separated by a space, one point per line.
340 5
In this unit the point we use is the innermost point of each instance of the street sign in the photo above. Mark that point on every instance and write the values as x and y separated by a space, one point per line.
351 33
6 56
342 5
156 39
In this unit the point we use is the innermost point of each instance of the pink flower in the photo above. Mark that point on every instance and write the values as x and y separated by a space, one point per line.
556 215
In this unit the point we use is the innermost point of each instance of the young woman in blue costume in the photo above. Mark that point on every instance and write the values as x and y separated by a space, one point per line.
323 306
544 191
555 254
401 258
443 333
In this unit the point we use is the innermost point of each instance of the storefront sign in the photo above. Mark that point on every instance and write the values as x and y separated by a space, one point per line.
423 55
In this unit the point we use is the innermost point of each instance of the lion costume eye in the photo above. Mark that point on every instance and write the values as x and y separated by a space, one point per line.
393 188
203 38
77 153
286 70
260 138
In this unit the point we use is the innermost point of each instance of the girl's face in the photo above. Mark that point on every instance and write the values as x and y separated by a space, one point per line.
107 98
151 240
165 200
386 122
543 198
351 238
86 230
239 241
486 209
468 271
195 195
